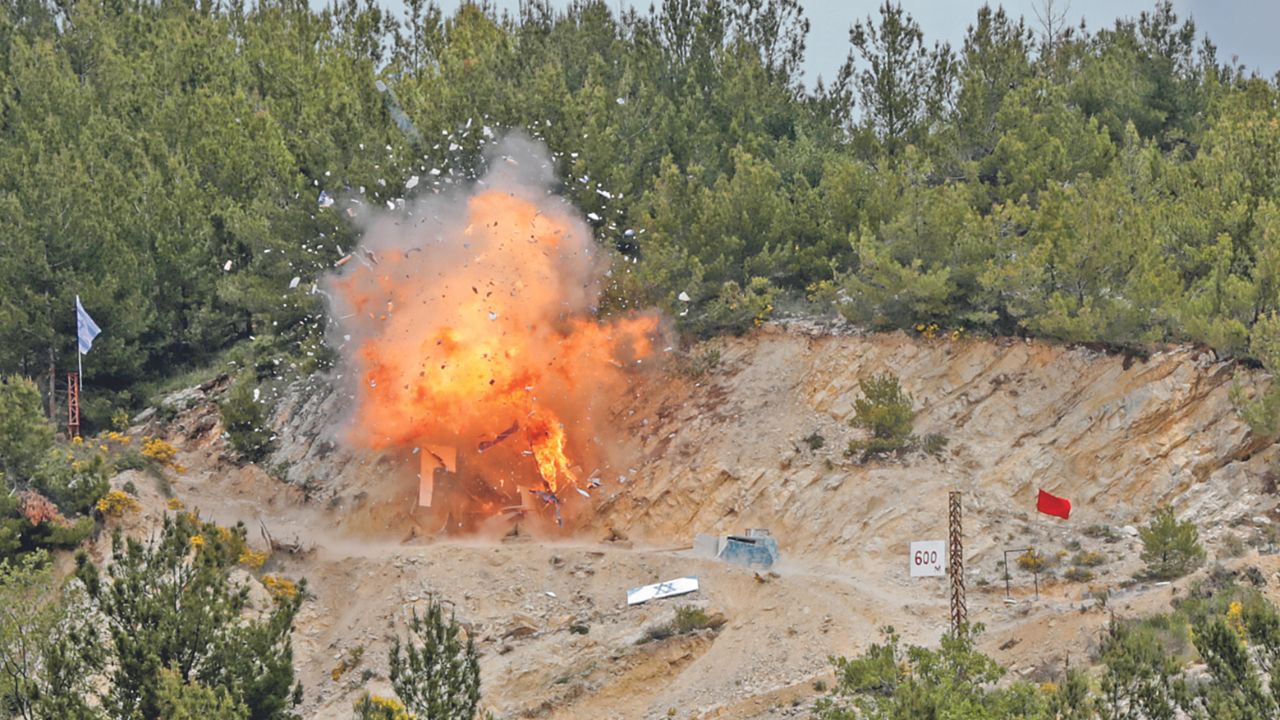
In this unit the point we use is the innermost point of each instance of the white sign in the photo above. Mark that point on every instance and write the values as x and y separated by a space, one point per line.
657 591
928 558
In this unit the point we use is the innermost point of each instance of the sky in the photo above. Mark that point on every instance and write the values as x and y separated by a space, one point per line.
1243 28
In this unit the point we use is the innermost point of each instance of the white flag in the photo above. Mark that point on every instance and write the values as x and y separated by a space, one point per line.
86 328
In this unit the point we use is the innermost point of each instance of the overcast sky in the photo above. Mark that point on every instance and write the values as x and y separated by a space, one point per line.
1244 28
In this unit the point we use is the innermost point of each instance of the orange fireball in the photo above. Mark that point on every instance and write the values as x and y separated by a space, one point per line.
474 315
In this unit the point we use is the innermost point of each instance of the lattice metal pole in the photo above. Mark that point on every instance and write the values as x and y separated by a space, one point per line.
959 614
73 404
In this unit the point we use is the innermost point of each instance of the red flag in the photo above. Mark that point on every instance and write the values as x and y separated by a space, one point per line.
1053 505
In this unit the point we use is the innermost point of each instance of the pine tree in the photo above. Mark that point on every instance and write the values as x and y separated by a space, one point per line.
1170 548
434 672
170 607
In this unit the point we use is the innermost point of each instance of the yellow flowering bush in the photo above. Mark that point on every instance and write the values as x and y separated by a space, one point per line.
197 541
1235 618
162 452
175 504
281 588
116 503
253 559
376 707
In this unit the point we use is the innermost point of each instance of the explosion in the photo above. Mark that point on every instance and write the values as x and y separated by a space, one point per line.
467 325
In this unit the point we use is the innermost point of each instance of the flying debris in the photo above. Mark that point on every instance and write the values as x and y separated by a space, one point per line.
683 297
226 267
401 120
325 200
294 282
413 183
550 498
486 444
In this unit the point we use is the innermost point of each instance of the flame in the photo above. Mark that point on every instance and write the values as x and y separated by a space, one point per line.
472 314
546 437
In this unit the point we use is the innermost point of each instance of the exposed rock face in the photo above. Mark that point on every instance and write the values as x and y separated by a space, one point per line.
1115 435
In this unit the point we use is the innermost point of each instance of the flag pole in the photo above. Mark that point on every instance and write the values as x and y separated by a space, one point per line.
79 355
79 370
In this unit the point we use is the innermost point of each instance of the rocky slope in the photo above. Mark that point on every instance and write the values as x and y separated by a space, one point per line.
724 450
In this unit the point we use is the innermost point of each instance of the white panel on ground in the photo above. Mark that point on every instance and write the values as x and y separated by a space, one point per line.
657 591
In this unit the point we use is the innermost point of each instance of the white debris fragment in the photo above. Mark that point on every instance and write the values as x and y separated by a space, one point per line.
593 217
604 194
435 172
493 315
549 594
226 267
294 282
413 183
255 394
683 296
622 101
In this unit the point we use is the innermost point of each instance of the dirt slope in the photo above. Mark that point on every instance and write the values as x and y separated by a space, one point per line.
724 451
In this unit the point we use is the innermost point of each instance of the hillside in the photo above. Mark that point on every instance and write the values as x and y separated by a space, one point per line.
723 451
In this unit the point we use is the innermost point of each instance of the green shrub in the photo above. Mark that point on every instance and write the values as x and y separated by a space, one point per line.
171 605
1078 574
1088 559
690 618
25 436
1232 546
698 365
954 680
1170 548
885 411
734 310
75 486
243 419
814 440
933 443
1102 532
1033 561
